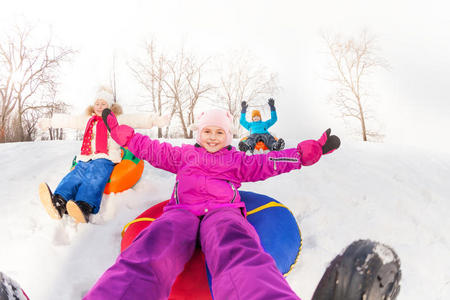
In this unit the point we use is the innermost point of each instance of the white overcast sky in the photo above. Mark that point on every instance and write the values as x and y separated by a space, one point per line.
414 36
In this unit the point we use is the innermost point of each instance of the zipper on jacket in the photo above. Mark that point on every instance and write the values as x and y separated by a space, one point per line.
282 159
176 193
234 191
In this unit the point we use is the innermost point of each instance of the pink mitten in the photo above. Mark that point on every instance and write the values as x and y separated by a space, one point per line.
122 134
311 150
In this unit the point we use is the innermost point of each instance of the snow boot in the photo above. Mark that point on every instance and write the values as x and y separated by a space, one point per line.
55 205
10 290
365 270
79 210
243 147
278 145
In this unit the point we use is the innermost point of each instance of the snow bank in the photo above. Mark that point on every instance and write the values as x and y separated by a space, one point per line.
392 194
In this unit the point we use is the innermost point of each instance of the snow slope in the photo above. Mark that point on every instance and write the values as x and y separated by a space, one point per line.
391 193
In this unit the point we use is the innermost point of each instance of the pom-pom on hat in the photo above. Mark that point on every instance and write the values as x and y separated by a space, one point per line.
106 94
215 117
256 113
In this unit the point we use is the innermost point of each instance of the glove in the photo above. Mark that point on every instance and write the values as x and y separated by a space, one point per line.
122 134
244 106
271 103
310 151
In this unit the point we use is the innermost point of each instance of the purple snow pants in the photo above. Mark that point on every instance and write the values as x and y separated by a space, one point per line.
240 269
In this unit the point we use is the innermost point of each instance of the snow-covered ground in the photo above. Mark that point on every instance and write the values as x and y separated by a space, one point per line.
394 194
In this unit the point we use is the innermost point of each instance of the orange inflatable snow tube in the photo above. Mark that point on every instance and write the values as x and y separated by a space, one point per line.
125 174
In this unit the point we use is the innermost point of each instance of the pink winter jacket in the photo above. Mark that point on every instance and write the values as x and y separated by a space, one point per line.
206 181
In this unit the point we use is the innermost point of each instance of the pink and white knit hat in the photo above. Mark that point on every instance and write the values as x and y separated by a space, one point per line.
215 117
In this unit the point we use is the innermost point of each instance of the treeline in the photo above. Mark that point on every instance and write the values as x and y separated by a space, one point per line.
174 84
29 70
177 83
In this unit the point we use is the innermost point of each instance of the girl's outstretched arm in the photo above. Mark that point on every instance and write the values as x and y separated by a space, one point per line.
262 166
63 121
159 155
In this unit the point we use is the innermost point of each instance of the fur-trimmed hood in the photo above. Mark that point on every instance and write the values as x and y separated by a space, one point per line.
115 108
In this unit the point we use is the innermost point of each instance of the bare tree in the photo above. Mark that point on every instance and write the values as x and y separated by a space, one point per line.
352 63
113 80
174 84
55 107
175 87
150 73
242 79
29 122
28 76
189 90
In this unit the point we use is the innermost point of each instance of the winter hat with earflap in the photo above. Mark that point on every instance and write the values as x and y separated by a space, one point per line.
215 117
106 94
256 113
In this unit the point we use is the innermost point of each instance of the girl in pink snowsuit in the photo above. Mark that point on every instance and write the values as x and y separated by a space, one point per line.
205 207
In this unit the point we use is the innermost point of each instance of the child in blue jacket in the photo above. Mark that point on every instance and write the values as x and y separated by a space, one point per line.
258 129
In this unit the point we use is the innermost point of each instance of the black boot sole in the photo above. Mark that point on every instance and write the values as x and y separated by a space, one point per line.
366 270
243 147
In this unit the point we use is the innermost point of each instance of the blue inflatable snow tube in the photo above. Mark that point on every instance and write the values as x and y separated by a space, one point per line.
277 229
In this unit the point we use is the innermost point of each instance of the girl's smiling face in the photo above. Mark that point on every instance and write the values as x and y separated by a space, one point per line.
99 106
213 138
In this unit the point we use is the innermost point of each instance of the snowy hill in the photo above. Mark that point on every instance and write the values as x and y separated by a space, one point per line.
393 194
